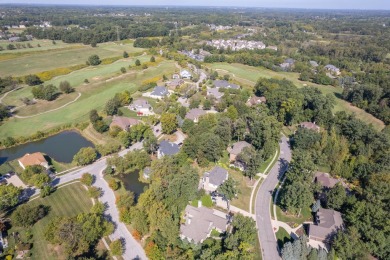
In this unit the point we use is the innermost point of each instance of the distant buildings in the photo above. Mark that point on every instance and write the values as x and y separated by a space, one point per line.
236 45
199 56
175 83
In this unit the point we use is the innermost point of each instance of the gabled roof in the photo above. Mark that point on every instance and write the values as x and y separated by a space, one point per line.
313 63
195 113
185 73
238 146
215 92
329 221
325 180
225 84
168 148
140 103
310 125
159 91
200 221
217 175
33 159
124 122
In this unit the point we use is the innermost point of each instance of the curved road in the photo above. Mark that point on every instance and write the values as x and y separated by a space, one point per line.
133 250
263 199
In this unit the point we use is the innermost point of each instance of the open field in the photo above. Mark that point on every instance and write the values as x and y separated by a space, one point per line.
249 75
94 96
65 202
45 45
34 62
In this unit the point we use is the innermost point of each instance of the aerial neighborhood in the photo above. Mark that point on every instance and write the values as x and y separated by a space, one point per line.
193 133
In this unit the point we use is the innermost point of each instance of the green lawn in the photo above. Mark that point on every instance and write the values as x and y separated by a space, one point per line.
282 237
45 45
206 201
264 165
293 220
94 96
65 202
248 75
243 198
34 62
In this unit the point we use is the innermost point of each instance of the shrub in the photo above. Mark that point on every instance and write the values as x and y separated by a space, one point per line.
123 70
26 215
94 192
65 87
114 185
116 247
86 155
32 80
87 179
94 60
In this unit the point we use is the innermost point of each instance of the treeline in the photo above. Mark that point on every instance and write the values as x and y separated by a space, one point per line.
101 32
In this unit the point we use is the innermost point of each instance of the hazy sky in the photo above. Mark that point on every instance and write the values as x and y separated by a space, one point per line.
321 4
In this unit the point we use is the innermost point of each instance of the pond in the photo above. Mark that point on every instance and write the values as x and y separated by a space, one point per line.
131 183
60 147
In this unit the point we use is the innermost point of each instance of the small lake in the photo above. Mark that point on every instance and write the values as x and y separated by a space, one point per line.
131 183
60 147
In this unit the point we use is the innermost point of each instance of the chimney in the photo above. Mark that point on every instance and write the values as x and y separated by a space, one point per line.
199 203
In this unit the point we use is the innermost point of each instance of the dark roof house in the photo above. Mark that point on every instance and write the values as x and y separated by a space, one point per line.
328 223
159 92
225 84
213 179
167 148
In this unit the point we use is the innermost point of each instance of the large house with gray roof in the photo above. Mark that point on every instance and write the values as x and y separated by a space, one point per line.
328 222
236 149
200 221
332 69
142 107
167 148
213 179
194 114
214 92
159 92
225 84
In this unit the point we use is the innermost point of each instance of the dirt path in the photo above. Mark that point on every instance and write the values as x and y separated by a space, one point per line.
1 99
22 117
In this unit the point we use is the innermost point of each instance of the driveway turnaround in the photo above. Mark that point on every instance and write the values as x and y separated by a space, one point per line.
267 237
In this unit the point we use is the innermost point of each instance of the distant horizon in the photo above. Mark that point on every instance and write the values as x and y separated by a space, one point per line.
374 5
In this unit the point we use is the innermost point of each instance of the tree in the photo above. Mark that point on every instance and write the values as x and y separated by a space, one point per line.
32 80
48 92
66 87
125 55
86 155
228 189
243 232
4 113
336 197
94 60
116 247
9 195
94 192
137 62
87 179
232 113
152 59
94 116
111 107
46 191
207 104
40 180
123 70
250 160
168 123
150 144
26 215
114 185
348 245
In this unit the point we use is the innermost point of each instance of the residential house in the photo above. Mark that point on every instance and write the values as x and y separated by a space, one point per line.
255 100
310 126
125 123
328 222
175 76
194 114
213 179
287 64
313 63
225 84
214 92
175 83
332 69
200 221
142 107
185 74
14 39
167 148
236 149
159 92
33 159
327 183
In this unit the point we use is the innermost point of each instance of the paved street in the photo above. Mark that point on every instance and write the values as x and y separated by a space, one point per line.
263 200
133 249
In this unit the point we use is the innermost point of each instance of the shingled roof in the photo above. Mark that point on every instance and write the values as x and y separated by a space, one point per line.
217 175
329 221
237 147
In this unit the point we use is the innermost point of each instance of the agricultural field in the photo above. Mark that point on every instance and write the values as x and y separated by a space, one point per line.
31 62
93 96
248 75
67 201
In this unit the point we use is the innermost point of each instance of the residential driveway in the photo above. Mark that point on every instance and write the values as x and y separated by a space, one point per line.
183 101
180 137
157 130
133 250
263 199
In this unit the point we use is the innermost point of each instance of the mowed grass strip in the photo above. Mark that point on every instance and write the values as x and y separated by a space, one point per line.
67 201
249 75
58 58
94 96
